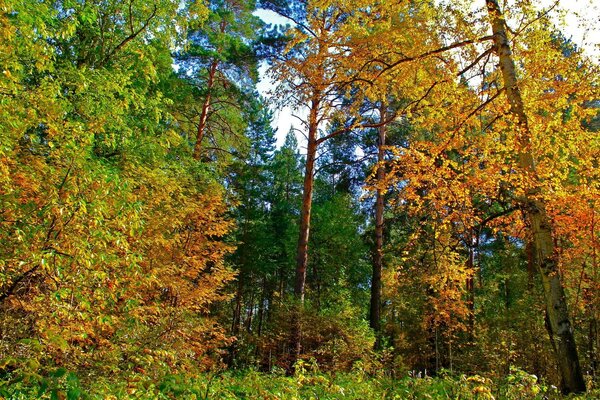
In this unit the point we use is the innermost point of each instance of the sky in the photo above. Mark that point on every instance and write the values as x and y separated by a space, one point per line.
283 118
582 26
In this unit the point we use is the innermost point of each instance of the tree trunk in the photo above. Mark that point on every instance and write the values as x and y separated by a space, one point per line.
205 109
592 340
302 250
250 314
236 321
237 311
540 224
592 305
261 307
375 309
471 287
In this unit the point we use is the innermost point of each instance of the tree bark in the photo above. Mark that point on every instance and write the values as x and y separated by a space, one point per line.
205 109
376 286
302 249
309 178
540 224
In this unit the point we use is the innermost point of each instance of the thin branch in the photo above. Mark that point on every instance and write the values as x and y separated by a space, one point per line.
129 38
131 16
294 20
387 66
16 282
492 217
476 61
471 114
540 16
357 126
341 163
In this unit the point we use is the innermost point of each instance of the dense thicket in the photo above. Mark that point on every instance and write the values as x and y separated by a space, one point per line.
433 213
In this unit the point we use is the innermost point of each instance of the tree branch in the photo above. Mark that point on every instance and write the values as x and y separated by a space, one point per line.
129 38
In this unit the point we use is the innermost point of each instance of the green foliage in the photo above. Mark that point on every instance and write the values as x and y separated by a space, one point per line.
340 259
218 67
308 383
132 266
112 248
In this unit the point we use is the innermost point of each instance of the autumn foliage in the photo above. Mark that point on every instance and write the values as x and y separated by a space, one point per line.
433 212
112 240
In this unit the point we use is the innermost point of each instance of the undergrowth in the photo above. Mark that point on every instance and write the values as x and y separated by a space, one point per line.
307 383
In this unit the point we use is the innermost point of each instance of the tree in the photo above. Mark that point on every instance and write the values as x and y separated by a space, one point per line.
111 243
219 63
536 210
314 44
247 181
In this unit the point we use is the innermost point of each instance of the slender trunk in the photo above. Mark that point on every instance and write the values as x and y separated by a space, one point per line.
261 307
549 330
237 312
236 321
281 285
250 314
437 352
302 250
241 279
212 70
471 287
592 304
540 224
375 309
592 340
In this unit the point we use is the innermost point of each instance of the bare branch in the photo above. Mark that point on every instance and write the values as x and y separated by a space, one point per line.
476 61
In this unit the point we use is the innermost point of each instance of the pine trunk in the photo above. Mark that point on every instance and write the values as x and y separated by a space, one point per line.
205 109
540 224
302 250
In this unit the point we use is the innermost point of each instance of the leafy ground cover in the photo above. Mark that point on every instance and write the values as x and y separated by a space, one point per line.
307 383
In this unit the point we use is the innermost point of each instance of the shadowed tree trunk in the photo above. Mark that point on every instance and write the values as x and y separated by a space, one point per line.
540 225
262 307
237 311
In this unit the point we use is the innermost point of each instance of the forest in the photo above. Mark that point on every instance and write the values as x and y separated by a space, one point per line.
429 228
